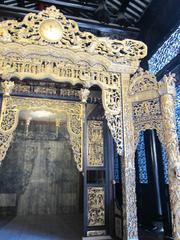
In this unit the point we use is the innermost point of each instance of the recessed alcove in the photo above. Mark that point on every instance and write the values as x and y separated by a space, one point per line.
39 179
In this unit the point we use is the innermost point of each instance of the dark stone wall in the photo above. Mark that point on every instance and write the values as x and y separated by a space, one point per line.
40 171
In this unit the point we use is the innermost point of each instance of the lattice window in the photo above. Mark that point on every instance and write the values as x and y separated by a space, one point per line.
169 50
165 165
141 156
178 111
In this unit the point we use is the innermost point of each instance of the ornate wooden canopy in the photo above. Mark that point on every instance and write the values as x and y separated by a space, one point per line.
48 46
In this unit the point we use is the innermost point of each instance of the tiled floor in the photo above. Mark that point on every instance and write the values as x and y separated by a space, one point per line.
50 228
42 228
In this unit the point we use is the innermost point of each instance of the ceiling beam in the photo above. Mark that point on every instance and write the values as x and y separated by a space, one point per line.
82 22
70 5
21 3
4 8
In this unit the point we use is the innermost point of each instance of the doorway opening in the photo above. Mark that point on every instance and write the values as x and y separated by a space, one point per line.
41 188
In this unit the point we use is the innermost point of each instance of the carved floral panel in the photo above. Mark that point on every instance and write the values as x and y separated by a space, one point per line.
95 144
96 206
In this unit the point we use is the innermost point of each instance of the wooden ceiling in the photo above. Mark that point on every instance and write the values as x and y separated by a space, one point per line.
122 12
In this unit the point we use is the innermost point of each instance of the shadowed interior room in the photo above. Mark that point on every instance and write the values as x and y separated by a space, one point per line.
39 180
89 120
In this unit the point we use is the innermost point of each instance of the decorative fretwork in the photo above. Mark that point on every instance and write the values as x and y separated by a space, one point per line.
58 69
141 157
10 114
112 103
96 206
5 140
115 125
112 100
95 144
147 115
146 110
142 81
169 50
19 88
44 89
131 105
29 32
143 126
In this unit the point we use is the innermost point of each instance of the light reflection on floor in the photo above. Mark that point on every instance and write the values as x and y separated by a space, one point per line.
42 228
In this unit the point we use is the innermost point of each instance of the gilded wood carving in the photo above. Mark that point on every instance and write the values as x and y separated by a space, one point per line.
11 107
155 109
167 91
95 144
96 206
131 104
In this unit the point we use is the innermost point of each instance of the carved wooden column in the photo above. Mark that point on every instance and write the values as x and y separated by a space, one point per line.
167 92
128 167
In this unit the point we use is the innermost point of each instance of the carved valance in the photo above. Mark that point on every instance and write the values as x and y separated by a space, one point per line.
34 30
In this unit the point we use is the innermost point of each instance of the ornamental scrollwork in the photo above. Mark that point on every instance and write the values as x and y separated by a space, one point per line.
147 115
9 115
114 123
96 206
44 89
112 100
142 81
112 103
29 32
5 140
57 69
150 125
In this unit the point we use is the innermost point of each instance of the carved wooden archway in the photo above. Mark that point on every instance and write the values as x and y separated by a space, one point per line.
132 98
11 107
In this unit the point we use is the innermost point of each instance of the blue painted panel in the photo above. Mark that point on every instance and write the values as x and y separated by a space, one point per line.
141 156
169 50
116 166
